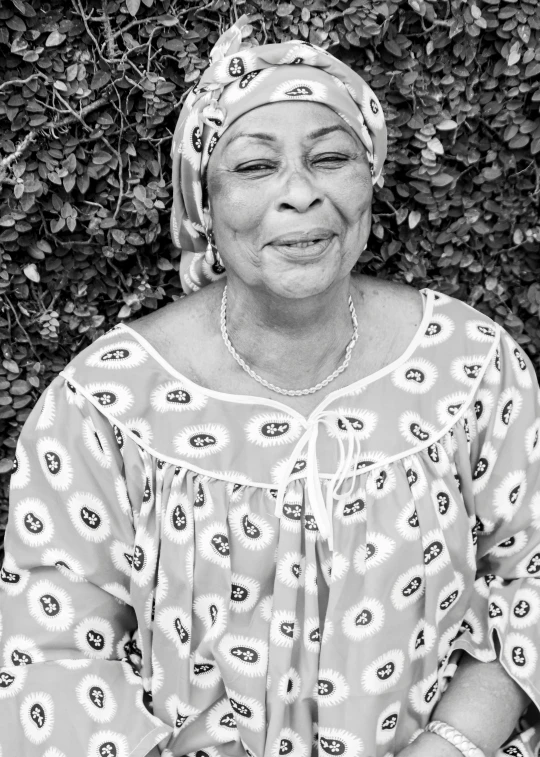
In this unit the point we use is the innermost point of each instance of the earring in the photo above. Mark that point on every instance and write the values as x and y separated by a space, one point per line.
209 254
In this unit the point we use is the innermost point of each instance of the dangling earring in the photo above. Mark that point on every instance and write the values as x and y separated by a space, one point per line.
209 254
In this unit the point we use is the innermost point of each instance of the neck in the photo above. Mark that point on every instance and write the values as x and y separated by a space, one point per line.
293 343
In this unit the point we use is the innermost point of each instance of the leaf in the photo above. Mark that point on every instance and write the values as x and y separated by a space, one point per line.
133 6
401 215
119 236
72 71
514 57
100 79
174 44
167 20
20 6
492 173
6 464
11 366
285 9
140 192
533 69
481 227
164 87
31 272
54 38
124 312
524 32
446 125
393 48
100 158
44 245
436 145
192 76
442 179
16 23
519 141
19 387
414 218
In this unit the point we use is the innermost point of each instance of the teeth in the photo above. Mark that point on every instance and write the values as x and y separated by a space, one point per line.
301 245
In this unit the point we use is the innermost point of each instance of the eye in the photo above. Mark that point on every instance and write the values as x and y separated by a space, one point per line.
331 159
254 167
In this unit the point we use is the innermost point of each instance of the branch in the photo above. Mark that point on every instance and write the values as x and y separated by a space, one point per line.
88 109
14 156
19 324
111 47
23 81
77 117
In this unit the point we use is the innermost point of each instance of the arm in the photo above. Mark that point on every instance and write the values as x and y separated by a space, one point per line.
68 682
482 701
498 674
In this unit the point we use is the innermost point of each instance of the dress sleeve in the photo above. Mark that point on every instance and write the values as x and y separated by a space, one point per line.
69 684
504 487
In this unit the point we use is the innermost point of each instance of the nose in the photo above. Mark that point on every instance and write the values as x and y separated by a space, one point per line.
299 192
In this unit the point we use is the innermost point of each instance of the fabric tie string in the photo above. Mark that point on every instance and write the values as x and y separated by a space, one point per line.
322 507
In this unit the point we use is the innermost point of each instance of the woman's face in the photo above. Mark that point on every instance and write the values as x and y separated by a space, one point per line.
289 193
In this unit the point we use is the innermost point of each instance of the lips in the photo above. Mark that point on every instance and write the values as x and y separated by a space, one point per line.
303 237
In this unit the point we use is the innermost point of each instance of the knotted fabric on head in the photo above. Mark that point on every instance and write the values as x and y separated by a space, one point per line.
236 82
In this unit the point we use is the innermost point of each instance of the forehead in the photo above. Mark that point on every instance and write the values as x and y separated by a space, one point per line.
285 121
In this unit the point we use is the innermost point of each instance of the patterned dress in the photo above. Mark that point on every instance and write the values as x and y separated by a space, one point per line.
159 595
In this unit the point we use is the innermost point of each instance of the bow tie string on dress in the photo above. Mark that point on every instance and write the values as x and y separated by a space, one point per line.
322 508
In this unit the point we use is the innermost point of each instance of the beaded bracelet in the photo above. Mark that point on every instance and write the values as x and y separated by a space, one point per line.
455 737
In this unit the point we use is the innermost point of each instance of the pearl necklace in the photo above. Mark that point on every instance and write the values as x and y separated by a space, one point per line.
292 392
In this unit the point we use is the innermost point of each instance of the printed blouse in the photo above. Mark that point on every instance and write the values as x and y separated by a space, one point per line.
192 572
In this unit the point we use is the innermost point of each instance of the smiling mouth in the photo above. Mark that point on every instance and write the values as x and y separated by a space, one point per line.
302 245
308 248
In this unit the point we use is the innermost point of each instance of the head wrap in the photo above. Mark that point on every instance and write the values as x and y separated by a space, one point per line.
236 82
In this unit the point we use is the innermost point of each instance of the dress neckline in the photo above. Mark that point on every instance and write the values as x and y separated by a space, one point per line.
428 300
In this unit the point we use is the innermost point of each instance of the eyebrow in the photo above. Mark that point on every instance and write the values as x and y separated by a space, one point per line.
265 137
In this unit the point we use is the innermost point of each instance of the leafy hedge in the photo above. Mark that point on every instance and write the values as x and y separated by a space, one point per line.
89 98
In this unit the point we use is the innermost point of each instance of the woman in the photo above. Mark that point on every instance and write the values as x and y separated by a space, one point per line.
212 549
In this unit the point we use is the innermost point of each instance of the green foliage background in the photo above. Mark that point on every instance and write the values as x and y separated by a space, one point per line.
89 96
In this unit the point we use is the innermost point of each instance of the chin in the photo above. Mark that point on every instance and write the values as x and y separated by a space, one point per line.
300 284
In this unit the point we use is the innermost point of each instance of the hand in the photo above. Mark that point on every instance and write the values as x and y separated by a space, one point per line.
430 745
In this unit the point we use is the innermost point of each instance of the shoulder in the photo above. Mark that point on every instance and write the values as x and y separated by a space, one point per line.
384 298
183 331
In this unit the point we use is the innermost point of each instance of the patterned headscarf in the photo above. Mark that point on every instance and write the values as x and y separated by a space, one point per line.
236 82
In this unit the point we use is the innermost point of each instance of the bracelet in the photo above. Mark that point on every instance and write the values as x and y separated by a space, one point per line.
455 737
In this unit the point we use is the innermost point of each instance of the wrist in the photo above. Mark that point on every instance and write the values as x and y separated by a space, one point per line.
433 745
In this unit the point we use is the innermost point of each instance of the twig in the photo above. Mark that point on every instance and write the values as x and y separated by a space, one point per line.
120 274
23 81
88 109
491 130
70 109
85 20
14 156
517 173
6 298
111 46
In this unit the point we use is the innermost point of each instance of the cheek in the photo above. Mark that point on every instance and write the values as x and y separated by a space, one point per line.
354 194
236 207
